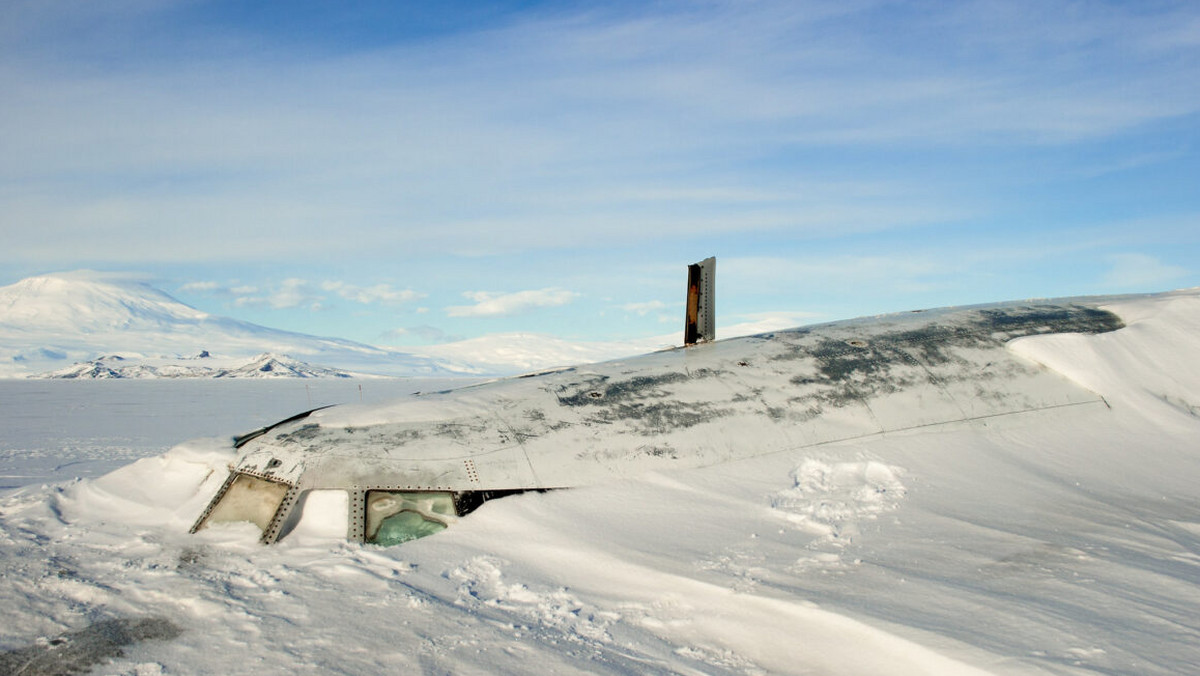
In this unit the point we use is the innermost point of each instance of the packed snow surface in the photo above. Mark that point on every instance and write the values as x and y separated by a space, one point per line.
1064 541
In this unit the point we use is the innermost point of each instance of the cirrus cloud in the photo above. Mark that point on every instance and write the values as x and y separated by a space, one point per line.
204 287
378 293
295 292
291 292
642 309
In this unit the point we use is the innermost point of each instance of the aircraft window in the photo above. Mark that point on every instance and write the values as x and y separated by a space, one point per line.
395 517
249 499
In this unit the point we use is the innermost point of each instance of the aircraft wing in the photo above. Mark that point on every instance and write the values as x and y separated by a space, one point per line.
696 406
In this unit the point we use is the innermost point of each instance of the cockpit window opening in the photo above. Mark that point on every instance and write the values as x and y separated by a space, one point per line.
394 517
466 502
247 498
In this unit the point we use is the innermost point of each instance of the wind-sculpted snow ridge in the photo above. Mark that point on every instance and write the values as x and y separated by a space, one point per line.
1063 541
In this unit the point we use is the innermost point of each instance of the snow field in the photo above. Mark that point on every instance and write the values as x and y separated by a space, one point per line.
60 430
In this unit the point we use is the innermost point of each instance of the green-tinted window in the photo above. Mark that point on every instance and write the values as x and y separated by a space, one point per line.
395 517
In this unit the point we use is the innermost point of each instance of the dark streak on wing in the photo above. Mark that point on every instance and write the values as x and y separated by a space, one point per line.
238 442
642 401
853 363
854 370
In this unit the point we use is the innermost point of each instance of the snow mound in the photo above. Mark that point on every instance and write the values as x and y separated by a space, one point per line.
86 302
830 500
1156 348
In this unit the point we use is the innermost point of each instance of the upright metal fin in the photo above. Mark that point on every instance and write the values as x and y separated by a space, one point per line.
700 320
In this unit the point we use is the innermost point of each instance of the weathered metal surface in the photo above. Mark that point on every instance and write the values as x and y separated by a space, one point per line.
703 405
700 316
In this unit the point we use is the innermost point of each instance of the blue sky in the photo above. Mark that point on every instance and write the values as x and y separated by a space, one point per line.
404 173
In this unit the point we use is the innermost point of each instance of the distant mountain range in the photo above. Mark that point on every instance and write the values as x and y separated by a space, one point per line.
263 366
52 322
95 325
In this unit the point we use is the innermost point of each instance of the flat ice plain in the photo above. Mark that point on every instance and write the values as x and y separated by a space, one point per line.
1056 542
56 430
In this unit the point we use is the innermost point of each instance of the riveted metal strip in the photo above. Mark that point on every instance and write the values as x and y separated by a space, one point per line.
265 476
356 526
290 499
212 504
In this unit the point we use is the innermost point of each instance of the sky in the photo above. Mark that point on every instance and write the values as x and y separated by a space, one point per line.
404 173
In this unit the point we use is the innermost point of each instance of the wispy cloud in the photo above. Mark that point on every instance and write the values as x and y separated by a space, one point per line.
379 293
290 293
647 121
645 308
295 292
200 287
493 304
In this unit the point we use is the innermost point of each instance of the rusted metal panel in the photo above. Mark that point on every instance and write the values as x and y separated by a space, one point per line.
700 321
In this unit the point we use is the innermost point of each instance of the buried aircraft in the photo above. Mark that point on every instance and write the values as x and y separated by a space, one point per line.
408 469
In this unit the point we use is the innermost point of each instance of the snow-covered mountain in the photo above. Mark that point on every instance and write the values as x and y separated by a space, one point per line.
268 365
85 302
52 322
